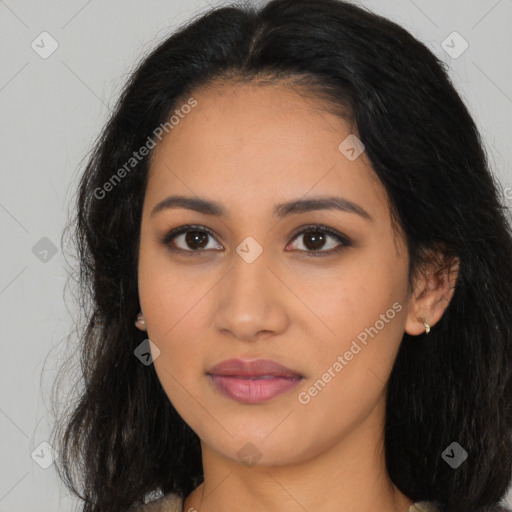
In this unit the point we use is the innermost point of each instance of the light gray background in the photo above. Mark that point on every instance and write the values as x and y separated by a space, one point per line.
52 109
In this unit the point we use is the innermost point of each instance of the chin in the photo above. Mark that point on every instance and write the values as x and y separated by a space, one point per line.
254 449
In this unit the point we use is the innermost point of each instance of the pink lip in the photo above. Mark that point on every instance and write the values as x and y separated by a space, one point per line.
256 368
253 382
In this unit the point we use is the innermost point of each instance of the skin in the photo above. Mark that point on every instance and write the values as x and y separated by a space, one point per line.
249 147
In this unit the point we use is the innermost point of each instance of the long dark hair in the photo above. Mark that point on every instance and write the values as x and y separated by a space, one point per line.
122 440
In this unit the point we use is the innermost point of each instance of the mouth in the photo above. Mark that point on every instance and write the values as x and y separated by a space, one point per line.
254 389
252 382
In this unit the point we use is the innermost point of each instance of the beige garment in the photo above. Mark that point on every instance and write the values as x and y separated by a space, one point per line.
421 506
174 503
168 503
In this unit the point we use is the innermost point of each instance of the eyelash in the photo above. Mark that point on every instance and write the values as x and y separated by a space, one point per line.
344 241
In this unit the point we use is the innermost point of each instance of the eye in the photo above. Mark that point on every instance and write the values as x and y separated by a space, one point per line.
193 239
189 239
315 237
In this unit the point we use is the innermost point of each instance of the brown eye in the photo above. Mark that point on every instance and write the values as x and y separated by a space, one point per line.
193 240
316 240
189 239
196 239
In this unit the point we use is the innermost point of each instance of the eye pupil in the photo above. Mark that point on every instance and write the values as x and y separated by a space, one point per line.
316 237
196 237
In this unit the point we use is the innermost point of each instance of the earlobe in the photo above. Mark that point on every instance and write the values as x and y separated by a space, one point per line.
425 323
432 293
140 323
417 325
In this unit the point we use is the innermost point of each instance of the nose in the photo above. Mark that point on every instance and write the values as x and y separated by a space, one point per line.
251 301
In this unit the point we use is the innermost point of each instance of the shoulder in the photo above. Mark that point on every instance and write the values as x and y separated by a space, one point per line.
169 503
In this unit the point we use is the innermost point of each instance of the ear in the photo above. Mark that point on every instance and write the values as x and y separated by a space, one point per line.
140 323
433 290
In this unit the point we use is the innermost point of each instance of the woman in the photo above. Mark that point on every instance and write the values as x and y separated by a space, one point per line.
299 278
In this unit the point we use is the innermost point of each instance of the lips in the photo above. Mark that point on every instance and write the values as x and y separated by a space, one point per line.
259 368
252 382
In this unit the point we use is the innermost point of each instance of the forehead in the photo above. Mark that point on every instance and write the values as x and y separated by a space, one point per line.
252 143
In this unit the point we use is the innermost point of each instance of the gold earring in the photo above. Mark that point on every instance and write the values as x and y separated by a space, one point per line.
140 320
425 323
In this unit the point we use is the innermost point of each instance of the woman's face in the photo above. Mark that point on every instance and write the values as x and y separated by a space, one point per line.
254 282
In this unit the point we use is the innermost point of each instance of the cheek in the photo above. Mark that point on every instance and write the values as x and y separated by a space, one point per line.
173 300
352 365
166 292
354 296
172 310
362 312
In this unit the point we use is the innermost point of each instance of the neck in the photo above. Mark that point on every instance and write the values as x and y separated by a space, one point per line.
349 475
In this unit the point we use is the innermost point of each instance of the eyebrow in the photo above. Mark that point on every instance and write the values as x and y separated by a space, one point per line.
280 211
